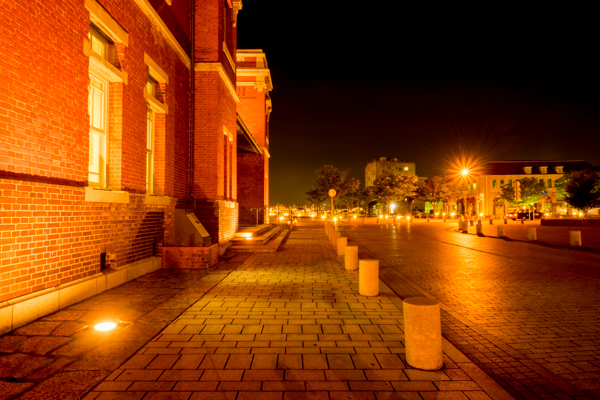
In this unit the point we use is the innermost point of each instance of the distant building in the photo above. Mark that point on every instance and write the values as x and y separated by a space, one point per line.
484 188
386 167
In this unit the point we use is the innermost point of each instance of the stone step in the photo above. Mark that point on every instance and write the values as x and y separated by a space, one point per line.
252 231
257 240
270 247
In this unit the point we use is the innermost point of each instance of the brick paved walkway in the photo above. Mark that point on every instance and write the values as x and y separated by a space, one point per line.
512 307
290 325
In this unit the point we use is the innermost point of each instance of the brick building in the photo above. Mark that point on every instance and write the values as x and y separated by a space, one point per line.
121 137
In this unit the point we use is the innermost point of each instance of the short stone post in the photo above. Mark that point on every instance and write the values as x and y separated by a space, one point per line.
505 221
423 333
460 225
531 234
368 277
427 219
522 221
501 231
465 228
491 221
334 238
470 222
575 238
351 257
342 242
479 229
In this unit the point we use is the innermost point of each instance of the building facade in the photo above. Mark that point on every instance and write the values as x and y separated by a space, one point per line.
483 189
119 119
385 166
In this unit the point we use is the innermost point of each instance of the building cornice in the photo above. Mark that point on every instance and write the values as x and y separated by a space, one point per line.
218 67
155 19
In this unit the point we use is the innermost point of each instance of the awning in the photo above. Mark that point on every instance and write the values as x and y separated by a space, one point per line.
245 140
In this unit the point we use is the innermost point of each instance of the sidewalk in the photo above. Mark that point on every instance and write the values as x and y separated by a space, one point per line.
285 325
290 325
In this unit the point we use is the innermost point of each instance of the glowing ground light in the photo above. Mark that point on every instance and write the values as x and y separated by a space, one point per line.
105 326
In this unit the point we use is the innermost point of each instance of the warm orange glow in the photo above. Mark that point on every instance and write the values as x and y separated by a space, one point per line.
105 326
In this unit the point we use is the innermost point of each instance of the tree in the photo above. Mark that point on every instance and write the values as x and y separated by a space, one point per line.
527 191
394 188
364 197
314 198
582 189
330 177
432 190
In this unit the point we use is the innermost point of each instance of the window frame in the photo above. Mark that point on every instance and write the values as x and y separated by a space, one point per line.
102 164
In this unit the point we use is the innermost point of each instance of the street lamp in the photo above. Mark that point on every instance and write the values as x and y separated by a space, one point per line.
465 176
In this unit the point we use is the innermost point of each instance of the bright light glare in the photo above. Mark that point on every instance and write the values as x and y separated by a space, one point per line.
105 326
464 173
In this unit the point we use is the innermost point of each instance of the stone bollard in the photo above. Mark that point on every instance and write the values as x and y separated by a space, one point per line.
351 257
334 238
423 333
575 238
479 229
522 221
342 242
465 227
470 222
505 221
491 221
460 225
501 232
531 234
368 277
427 219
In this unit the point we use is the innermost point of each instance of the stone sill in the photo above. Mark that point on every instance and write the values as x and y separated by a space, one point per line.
154 200
22 310
106 196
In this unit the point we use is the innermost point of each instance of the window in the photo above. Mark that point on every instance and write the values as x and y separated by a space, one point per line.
98 110
98 42
469 186
543 170
474 186
494 184
549 183
149 151
510 182
151 86
501 182
527 170
558 169
541 181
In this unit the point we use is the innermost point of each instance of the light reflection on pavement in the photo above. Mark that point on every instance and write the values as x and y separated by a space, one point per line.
512 306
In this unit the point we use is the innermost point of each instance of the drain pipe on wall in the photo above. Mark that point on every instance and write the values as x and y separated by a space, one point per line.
192 99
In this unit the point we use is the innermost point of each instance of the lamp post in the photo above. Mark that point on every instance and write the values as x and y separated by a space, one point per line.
465 175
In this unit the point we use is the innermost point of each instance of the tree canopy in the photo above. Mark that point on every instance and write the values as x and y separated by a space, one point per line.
582 189
524 192
394 188
330 177
435 190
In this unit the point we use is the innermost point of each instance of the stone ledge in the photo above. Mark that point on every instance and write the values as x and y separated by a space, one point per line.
154 200
106 196
22 310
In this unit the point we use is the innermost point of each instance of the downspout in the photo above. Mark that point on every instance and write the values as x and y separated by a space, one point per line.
192 99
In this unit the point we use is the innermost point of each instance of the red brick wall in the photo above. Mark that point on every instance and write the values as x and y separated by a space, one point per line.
252 110
251 186
49 234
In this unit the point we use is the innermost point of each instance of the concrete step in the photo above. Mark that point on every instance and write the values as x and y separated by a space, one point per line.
252 231
270 247
259 240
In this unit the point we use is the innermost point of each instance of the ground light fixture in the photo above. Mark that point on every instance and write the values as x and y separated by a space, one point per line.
105 326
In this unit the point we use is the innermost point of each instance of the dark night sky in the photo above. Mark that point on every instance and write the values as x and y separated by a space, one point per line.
352 84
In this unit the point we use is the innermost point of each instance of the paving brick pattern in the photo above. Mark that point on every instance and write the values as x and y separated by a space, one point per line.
60 357
528 315
290 325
